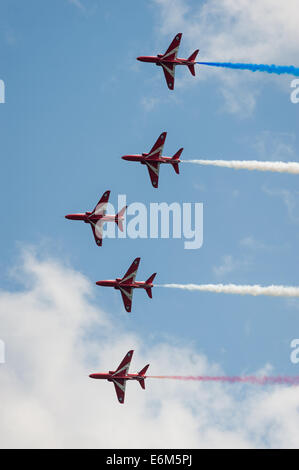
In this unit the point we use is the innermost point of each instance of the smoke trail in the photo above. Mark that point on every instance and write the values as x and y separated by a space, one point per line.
279 167
276 69
253 380
273 291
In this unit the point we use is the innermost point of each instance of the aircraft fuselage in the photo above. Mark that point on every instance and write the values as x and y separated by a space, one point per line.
117 284
159 61
87 218
110 376
143 159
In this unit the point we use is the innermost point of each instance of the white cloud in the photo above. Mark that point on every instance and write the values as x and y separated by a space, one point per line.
236 29
78 4
230 264
275 146
258 31
227 265
252 244
56 335
149 103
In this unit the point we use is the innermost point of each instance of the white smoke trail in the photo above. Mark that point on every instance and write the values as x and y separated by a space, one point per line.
278 167
273 291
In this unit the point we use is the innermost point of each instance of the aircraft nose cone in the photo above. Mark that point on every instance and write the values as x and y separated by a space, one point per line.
67 216
139 58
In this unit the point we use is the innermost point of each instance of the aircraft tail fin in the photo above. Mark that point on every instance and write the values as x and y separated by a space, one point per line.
151 278
118 218
174 160
192 69
149 289
149 292
120 225
142 383
192 59
177 155
143 371
176 168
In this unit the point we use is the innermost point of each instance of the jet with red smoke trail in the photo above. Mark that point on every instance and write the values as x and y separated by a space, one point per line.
120 376
169 61
154 158
127 284
98 217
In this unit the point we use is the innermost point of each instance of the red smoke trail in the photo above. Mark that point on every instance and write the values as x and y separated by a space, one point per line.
278 380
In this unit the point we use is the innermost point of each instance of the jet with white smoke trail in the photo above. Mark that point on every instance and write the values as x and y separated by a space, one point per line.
277 167
272 291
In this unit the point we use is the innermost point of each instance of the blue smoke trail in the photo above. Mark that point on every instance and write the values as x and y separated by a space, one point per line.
276 69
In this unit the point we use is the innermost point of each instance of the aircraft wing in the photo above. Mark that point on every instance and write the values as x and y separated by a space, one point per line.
169 72
97 230
120 384
123 367
157 149
153 169
120 388
127 296
130 275
172 51
100 208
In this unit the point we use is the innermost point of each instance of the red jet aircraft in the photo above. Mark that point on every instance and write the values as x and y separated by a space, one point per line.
98 217
128 283
120 376
169 60
154 158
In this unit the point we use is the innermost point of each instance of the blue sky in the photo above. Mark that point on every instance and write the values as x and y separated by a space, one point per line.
77 100
74 105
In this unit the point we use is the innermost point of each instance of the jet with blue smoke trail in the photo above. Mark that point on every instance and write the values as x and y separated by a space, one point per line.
169 60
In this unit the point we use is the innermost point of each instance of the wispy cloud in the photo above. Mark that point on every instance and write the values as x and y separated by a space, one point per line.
275 146
149 103
230 264
78 4
253 244
289 198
